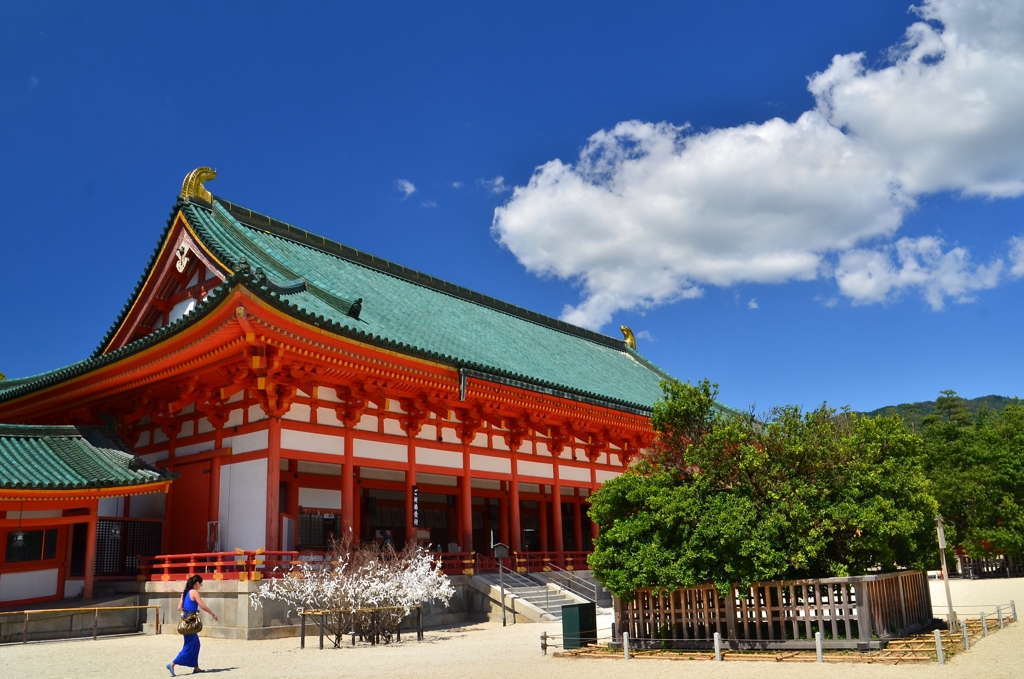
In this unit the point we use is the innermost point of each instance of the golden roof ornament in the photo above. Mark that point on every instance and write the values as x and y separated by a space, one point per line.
193 187
628 337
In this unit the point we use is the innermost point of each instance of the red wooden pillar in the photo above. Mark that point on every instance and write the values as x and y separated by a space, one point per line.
543 506
273 484
90 551
556 509
503 518
513 496
410 481
214 512
466 503
577 523
348 493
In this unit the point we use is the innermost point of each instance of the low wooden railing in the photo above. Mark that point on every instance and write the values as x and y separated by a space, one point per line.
857 612
95 610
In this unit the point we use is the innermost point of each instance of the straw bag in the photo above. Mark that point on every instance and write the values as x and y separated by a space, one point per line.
190 624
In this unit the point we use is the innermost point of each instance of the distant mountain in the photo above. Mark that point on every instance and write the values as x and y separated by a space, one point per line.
913 413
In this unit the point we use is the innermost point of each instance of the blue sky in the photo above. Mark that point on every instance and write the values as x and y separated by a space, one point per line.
852 244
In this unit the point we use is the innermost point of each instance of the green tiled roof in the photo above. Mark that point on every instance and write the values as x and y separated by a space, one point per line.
67 458
401 309
416 313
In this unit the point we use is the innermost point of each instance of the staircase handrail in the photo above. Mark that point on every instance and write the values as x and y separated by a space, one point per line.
571 578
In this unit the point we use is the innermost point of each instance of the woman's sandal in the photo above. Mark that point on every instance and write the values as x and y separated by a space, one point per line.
170 668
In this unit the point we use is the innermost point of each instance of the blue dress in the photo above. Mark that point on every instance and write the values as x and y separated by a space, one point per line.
189 656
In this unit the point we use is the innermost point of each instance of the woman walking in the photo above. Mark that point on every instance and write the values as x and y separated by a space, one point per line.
189 603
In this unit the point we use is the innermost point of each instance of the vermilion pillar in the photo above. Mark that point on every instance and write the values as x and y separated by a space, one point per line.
466 503
410 481
90 551
273 484
348 498
556 509
513 498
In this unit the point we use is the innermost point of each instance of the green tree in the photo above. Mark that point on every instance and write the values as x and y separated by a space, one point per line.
976 465
726 497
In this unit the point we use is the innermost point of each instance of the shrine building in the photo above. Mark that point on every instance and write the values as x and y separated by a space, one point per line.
267 388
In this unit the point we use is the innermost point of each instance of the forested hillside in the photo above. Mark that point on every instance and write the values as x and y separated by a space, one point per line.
913 413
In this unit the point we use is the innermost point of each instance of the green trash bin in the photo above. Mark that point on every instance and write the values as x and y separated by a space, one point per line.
579 625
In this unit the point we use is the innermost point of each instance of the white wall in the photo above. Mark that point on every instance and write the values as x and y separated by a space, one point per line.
149 506
28 584
320 498
243 505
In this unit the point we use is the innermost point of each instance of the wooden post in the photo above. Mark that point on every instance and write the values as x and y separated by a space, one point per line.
410 481
419 623
24 630
302 629
90 551
273 527
863 614
556 511
348 499
321 631
466 503
95 623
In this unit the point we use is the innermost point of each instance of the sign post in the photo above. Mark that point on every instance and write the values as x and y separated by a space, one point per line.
945 573
501 553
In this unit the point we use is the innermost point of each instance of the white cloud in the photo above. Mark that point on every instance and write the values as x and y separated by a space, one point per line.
652 212
1016 257
428 203
827 302
752 304
456 185
406 187
645 335
496 185
868 276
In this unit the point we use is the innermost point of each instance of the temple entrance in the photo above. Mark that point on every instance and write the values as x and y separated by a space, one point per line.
189 507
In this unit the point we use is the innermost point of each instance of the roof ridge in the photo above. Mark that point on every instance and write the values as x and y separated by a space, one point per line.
281 229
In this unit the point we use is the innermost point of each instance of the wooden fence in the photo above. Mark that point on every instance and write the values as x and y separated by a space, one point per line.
857 612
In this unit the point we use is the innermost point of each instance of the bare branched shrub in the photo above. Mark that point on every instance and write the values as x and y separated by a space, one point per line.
368 590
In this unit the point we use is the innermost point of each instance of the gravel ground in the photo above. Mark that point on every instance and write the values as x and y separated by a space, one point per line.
488 650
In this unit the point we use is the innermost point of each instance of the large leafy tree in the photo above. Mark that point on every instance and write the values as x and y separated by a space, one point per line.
726 497
976 464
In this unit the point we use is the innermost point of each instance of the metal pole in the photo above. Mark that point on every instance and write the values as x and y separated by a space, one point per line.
999 614
625 643
501 582
95 623
352 618
817 645
544 642
24 630
1013 609
984 625
945 573
302 629
718 647
321 631
967 642
938 647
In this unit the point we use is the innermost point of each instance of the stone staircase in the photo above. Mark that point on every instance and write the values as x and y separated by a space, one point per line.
539 595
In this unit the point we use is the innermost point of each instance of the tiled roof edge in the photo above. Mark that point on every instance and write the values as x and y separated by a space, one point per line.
303 237
37 430
138 286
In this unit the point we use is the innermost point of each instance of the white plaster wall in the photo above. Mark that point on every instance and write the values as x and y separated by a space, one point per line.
487 463
36 514
73 588
143 439
256 413
187 429
110 506
246 443
329 417
327 394
378 450
541 469
243 505
321 498
194 448
234 418
155 457
149 506
299 412
28 584
393 427
312 443
367 423
319 468
439 458
574 473
603 476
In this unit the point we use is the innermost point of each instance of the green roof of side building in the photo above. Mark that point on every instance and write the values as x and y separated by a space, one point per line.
401 309
68 458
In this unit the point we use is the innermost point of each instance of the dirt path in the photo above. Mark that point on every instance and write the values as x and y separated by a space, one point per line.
486 650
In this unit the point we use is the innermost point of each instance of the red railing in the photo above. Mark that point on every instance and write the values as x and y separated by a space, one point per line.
237 565
258 564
